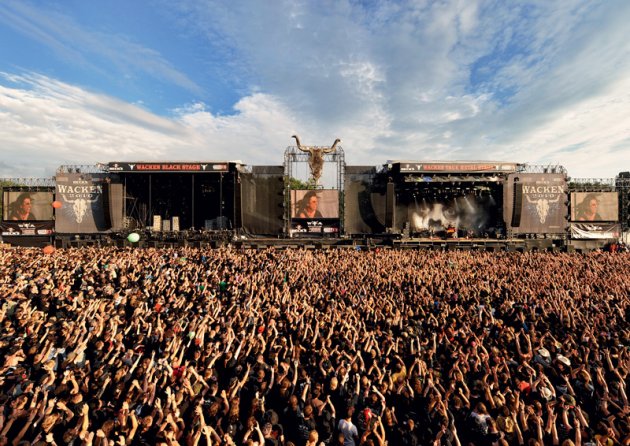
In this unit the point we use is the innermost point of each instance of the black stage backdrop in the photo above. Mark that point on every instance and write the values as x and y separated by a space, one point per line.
363 205
262 200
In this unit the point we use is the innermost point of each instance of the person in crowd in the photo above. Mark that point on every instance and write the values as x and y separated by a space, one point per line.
118 346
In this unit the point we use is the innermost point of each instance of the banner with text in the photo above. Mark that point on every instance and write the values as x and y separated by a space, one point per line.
311 227
536 203
14 228
595 231
139 167
81 197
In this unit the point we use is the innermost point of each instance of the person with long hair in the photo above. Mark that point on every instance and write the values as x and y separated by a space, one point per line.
587 209
308 206
21 208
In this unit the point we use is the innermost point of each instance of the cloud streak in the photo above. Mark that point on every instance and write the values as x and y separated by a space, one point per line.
541 82
79 46
47 123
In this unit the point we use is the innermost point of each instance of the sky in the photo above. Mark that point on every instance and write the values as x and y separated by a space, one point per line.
538 82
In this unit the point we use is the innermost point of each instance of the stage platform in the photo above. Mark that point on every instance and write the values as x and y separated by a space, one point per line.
370 243
366 242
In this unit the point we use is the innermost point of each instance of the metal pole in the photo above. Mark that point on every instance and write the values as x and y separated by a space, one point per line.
192 225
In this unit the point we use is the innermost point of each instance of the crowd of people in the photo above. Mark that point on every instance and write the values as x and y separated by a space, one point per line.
116 346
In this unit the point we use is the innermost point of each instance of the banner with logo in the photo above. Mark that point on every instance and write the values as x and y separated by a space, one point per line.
595 231
81 197
14 228
536 203
314 227
456 167
124 167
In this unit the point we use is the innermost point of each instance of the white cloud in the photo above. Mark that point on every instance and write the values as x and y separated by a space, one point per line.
47 123
535 81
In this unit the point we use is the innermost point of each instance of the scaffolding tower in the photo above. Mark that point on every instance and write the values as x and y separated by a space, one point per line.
293 157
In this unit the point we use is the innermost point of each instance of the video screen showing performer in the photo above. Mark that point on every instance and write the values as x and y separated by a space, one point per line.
313 204
594 206
28 206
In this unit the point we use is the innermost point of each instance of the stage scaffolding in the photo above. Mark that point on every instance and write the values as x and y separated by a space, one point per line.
592 185
83 168
293 157
619 184
27 183
541 168
622 186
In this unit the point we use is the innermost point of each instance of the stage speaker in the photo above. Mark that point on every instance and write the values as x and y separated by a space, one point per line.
238 203
517 205
175 223
390 205
116 206
157 223
166 225
107 204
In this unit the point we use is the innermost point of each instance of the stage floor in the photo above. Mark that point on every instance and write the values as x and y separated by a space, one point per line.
382 241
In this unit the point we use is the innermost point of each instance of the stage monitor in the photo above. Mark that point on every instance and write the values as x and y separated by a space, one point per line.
27 206
314 204
594 206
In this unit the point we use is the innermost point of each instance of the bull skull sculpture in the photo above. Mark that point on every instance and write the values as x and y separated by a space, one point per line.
316 157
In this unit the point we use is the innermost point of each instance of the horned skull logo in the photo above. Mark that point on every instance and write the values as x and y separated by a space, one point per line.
542 207
80 207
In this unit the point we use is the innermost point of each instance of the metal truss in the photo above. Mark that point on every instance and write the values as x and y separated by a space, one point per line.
83 168
622 185
27 183
293 156
541 168
592 185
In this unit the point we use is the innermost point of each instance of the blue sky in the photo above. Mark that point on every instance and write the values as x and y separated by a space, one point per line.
543 82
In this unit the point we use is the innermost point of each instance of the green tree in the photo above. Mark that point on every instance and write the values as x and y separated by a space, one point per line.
295 184
3 184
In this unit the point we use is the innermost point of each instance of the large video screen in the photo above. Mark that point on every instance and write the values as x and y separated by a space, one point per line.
594 206
470 213
27 206
313 204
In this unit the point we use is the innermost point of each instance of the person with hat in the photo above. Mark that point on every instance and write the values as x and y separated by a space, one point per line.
543 357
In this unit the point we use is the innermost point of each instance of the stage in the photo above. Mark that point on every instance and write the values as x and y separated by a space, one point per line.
222 239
